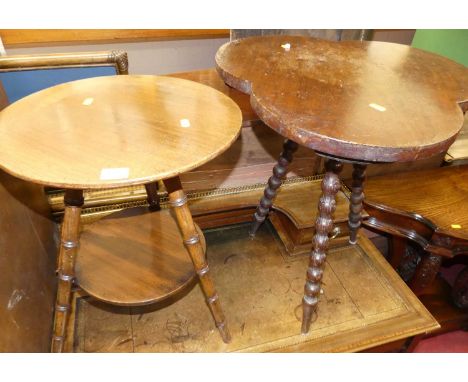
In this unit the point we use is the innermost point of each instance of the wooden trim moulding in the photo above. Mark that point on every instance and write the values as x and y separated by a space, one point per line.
41 37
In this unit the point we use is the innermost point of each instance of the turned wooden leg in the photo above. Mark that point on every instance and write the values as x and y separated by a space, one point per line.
153 197
355 201
178 201
279 173
69 240
323 226
426 272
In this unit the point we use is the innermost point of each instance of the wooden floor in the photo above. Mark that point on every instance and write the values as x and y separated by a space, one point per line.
364 304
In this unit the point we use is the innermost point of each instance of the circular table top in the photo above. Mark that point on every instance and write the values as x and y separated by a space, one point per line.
368 101
107 132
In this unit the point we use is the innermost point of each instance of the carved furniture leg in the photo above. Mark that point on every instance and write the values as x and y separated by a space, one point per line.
178 201
460 289
426 272
355 201
69 239
153 197
279 173
397 250
323 226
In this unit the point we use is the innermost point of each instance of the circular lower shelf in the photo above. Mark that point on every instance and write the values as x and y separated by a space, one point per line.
134 257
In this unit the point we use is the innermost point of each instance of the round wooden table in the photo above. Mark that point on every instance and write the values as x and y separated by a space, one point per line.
109 132
350 101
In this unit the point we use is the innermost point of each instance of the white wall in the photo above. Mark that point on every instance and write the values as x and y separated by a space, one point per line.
162 57
154 57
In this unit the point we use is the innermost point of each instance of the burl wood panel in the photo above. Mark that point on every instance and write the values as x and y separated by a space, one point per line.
370 101
27 263
115 131
364 304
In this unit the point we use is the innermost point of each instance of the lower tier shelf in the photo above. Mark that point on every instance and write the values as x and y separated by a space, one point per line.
134 257
364 304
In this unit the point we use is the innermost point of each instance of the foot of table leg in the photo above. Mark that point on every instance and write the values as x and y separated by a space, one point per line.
279 172
426 272
355 201
323 226
178 201
69 240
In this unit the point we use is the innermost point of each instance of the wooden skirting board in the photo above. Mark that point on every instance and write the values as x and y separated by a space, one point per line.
364 304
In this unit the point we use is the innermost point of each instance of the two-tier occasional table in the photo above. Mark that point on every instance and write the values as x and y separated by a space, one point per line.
350 101
109 132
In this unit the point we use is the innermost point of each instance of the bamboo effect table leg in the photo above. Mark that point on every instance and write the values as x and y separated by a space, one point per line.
279 173
355 201
323 226
178 201
69 241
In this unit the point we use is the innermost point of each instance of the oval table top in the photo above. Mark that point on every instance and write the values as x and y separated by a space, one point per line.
367 101
107 132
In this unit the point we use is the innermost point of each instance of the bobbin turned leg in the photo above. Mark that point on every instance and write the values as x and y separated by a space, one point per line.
69 240
178 202
279 172
355 201
323 226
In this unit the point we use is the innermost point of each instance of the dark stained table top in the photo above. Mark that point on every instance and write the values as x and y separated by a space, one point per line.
369 101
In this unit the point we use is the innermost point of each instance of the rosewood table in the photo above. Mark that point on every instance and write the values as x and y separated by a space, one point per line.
109 132
352 102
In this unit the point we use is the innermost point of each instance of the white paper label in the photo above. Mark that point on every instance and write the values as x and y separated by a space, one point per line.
115 173
378 107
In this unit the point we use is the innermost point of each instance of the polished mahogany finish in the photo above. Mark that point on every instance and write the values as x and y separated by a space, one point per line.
435 217
344 98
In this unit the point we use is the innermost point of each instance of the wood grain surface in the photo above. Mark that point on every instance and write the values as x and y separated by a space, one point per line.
370 101
439 195
34 37
106 132
3 97
27 263
210 77
364 304
134 257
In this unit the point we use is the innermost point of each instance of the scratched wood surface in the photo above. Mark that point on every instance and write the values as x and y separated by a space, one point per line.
143 128
372 101
364 304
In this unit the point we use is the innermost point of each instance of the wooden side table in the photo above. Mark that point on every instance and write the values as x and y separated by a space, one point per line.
435 219
350 101
108 132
